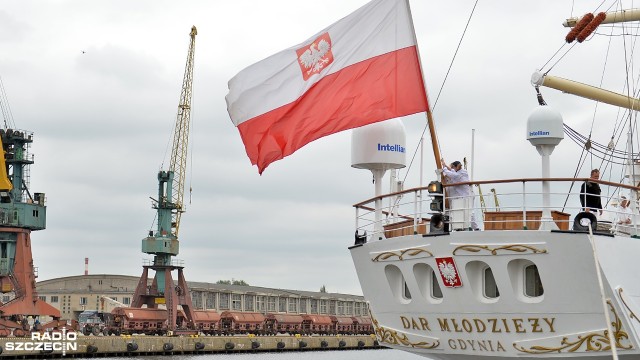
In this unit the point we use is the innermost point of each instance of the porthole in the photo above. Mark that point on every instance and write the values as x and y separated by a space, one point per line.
532 282
436 291
526 281
397 284
421 272
406 293
490 288
481 282
427 283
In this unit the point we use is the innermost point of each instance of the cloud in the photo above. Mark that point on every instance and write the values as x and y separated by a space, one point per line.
123 66
8 26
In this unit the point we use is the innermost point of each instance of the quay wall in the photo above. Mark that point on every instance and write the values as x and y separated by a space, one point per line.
103 346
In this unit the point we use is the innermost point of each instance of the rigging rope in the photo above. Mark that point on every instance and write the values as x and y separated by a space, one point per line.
588 145
565 42
455 54
596 147
554 55
424 130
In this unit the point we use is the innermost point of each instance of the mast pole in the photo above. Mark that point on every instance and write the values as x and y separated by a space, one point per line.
430 123
434 138
473 150
419 195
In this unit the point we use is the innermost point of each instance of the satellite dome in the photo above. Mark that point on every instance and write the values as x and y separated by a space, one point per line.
379 146
545 126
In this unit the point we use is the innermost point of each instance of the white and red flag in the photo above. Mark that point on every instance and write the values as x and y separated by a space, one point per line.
360 70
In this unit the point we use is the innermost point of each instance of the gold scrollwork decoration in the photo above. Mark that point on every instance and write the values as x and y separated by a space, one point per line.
401 255
393 337
494 251
590 342
633 315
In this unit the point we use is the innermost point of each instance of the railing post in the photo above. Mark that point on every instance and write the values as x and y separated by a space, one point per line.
416 196
419 201
444 200
633 215
524 205
357 218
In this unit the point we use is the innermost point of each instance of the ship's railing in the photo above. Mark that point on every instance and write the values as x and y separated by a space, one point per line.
520 208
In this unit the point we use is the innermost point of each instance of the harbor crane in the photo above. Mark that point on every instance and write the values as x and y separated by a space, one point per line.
163 243
21 212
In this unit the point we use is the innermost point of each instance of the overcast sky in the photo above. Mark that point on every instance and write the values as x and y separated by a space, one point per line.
98 82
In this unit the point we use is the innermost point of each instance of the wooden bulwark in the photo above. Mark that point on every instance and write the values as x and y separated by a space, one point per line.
405 227
513 220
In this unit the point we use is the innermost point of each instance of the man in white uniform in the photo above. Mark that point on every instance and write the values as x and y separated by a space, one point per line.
624 217
461 196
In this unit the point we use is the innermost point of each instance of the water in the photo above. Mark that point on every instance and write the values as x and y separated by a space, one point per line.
382 354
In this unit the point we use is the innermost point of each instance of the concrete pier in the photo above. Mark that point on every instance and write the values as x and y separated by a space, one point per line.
109 346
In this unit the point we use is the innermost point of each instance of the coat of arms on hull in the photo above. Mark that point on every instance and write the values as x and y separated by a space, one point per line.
448 272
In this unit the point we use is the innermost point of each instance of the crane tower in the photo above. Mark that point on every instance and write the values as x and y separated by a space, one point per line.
20 213
163 243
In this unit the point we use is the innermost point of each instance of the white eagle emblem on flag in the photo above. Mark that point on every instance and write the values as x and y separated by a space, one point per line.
316 56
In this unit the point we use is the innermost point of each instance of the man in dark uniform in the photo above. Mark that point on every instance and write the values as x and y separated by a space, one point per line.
590 194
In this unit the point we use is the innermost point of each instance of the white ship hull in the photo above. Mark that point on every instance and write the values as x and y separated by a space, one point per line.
567 320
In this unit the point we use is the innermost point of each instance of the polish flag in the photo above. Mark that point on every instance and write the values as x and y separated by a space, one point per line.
360 70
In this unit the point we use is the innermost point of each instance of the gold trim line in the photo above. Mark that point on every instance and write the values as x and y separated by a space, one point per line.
494 251
597 341
409 252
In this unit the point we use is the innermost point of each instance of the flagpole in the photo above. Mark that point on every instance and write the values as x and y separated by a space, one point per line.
430 123
434 138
